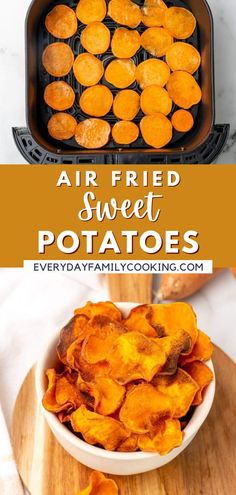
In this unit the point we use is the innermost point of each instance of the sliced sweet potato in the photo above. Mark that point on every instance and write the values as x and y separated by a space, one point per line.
62 126
96 100
92 133
156 130
100 485
182 120
121 72
95 38
155 99
180 388
156 41
59 95
99 429
151 72
138 321
97 346
88 69
58 59
165 437
180 22
202 350
153 13
180 343
125 12
103 394
183 89
61 22
87 371
75 329
183 56
62 393
125 43
89 11
125 132
202 376
129 445
126 104
105 308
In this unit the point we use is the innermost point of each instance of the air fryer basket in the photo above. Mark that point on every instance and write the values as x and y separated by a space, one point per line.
201 145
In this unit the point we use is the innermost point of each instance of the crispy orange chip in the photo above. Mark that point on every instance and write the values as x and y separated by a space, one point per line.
100 485
61 22
99 429
59 95
125 12
151 72
125 132
202 350
92 133
138 321
174 345
103 394
165 437
125 43
156 41
121 72
58 59
202 376
62 393
182 120
180 388
95 38
155 99
129 445
96 101
87 371
144 407
97 346
126 104
182 56
88 69
75 329
106 308
89 11
156 130
183 89
180 22
153 13
62 126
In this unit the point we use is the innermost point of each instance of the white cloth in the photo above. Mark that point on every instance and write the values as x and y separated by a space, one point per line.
9 479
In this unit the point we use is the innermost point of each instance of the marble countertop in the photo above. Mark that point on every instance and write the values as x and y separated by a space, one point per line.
12 74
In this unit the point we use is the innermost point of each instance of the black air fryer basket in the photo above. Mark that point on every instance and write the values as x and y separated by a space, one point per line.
201 145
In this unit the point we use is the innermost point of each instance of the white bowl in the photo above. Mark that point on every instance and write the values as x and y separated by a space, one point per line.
118 463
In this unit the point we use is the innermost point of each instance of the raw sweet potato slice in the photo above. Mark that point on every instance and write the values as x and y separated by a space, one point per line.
144 407
59 95
125 132
89 11
100 485
153 13
183 56
182 120
165 437
92 133
184 89
126 104
62 126
104 308
202 350
125 43
58 59
96 101
62 393
97 346
125 12
202 376
129 445
61 22
103 394
75 329
180 22
155 99
156 130
156 41
99 429
121 72
152 71
88 69
95 38
180 388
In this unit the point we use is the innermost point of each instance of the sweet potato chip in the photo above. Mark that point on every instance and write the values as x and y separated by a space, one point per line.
153 13
183 89
61 22
100 485
182 120
59 95
92 133
104 393
182 56
89 11
96 101
155 99
95 38
151 72
174 345
87 371
88 69
97 346
126 104
125 43
106 308
180 388
202 376
125 132
121 72
75 329
99 429
202 350
62 126
125 12
129 445
138 321
62 393
156 41
180 22
144 407
165 437
156 130
58 59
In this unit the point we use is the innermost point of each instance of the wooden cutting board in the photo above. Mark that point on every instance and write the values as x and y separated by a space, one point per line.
206 467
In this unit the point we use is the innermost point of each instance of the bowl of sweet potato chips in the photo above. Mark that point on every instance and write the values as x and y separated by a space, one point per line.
126 387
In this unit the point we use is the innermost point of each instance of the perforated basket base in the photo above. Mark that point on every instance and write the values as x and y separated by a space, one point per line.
205 154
